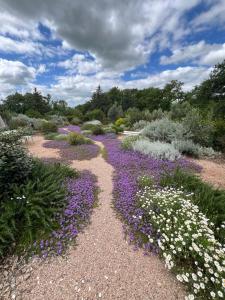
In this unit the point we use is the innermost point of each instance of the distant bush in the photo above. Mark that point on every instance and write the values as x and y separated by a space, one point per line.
199 128
75 138
58 120
17 122
140 125
117 129
120 121
186 147
48 127
165 130
219 135
97 130
96 114
127 142
93 122
156 149
75 121
86 132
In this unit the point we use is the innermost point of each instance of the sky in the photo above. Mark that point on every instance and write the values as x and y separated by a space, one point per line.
68 47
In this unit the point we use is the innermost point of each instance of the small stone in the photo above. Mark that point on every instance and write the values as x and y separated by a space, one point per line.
13 296
5 273
26 276
1 286
100 295
106 277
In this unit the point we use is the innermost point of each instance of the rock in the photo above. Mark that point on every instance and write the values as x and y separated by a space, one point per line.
26 276
1 286
5 273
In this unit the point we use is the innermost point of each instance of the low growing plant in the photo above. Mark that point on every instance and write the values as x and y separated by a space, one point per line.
75 138
185 239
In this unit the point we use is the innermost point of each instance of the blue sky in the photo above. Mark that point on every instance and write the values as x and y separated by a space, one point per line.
67 48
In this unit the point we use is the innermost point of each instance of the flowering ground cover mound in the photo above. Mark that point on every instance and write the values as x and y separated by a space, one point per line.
69 153
185 239
82 192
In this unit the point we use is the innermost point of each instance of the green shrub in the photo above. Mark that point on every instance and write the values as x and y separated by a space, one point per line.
210 200
86 132
48 127
15 164
16 122
219 135
120 121
118 129
75 121
97 130
75 138
30 212
128 141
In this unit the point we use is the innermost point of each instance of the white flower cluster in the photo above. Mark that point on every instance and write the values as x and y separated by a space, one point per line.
186 240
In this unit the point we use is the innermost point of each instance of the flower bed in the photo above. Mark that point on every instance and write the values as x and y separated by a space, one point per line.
68 153
185 239
80 201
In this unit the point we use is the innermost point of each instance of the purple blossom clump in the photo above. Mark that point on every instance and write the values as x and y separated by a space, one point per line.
129 165
68 153
62 130
79 204
73 128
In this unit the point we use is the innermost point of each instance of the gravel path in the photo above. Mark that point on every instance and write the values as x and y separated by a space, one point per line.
103 265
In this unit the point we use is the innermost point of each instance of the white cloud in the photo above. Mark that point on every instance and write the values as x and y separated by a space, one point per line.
14 75
200 53
214 15
120 34
21 47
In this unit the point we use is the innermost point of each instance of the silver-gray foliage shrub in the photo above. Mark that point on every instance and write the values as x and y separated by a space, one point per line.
157 149
140 125
165 130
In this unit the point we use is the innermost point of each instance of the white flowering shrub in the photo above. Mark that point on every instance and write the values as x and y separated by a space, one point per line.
165 130
185 239
156 149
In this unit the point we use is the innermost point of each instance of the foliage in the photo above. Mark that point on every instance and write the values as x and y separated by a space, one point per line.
157 150
189 148
200 128
210 200
75 138
96 114
115 112
140 125
117 129
164 130
15 164
97 130
219 135
185 239
120 121
58 120
31 210
128 141
75 121
48 127
179 110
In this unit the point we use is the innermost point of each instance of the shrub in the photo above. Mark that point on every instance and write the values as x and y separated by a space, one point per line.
17 122
185 240
15 164
75 121
97 130
210 200
127 142
165 130
48 127
199 128
96 114
93 122
140 125
189 148
219 135
117 129
31 211
75 138
58 120
86 132
156 150
120 121
115 112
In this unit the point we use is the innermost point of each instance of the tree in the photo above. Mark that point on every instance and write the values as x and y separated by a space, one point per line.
115 112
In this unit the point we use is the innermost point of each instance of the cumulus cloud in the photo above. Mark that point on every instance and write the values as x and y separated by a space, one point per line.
119 33
14 75
200 53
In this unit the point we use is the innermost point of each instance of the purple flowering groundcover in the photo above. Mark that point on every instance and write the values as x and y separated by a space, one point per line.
129 165
82 194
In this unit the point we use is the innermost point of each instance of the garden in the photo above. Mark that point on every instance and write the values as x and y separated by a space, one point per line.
165 207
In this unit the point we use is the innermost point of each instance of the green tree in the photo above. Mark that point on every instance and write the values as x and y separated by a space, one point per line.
115 112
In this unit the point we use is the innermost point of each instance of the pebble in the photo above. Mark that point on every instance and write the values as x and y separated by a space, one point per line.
100 295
